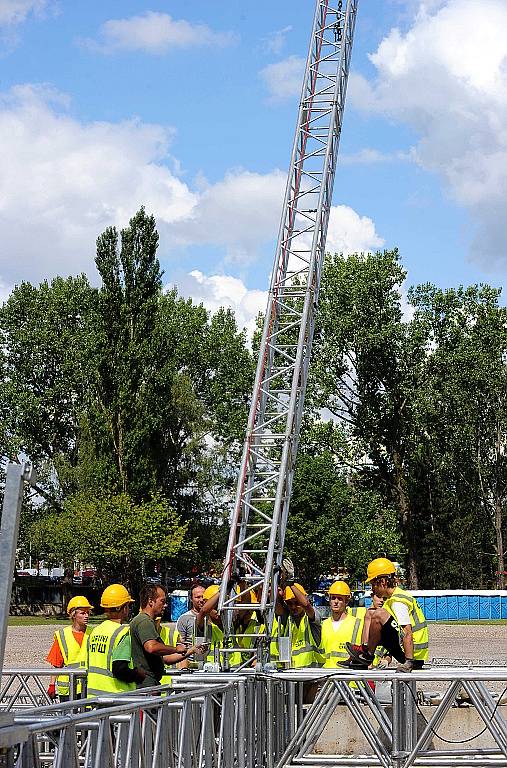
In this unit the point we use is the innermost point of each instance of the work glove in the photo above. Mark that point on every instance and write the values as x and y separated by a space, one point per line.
288 570
407 666
52 691
383 662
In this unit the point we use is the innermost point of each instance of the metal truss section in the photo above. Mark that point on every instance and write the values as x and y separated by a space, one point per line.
269 454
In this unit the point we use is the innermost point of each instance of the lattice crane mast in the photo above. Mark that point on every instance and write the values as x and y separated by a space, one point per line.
264 486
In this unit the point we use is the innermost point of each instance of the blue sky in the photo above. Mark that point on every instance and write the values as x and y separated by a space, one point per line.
190 108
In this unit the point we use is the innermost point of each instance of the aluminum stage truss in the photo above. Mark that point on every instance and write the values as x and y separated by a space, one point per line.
264 487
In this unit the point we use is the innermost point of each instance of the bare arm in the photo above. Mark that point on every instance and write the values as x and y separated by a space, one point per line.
159 649
408 641
304 602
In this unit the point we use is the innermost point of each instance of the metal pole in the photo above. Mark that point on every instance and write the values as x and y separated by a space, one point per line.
16 476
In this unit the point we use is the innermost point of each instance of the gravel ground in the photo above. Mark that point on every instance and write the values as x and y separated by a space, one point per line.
28 646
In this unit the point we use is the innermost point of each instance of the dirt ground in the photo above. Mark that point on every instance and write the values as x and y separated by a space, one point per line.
28 646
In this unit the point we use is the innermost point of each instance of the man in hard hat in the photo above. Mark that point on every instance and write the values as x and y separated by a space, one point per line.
399 625
343 626
110 668
66 649
303 626
148 650
210 623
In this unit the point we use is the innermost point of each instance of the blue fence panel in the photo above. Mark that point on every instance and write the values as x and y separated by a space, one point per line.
179 604
442 608
473 606
430 608
496 609
452 607
464 607
484 607
504 606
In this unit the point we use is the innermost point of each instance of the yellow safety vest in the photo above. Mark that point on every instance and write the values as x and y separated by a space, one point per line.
417 621
99 659
333 640
254 628
215 638
71 652
304 649
169 637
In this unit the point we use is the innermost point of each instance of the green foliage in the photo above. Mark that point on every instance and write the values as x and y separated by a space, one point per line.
113 533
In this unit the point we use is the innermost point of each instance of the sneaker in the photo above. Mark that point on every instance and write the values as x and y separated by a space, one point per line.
358 653
351 663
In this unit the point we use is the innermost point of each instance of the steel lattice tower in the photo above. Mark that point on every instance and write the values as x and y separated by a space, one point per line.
264 486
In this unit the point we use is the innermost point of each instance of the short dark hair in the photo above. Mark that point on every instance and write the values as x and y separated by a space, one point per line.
194 586
150 592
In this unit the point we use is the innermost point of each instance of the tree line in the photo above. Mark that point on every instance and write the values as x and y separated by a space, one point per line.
132 402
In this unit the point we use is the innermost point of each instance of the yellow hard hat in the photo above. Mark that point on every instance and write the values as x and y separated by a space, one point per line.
253 597
210 591
339 588
381 566
79 601
289 594
114 596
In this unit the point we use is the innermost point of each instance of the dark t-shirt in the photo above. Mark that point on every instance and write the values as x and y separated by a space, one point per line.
142 629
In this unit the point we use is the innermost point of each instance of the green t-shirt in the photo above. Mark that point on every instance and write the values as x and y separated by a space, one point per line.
123 651
142 629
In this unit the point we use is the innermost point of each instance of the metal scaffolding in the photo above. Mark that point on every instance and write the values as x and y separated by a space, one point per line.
264 487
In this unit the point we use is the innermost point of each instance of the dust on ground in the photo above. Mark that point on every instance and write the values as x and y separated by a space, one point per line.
28 646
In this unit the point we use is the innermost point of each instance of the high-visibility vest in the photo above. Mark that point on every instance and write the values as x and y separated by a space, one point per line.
417 621
71 652
256 628
169 637
304 649
215 638
99 659
333 640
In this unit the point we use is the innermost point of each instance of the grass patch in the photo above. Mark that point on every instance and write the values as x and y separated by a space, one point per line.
32 621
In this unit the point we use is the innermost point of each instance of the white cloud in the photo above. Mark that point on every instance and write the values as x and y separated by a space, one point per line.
63 182
240 212
215 291
155 33
16 11
283 79
5 291
348 232
275 42
446 77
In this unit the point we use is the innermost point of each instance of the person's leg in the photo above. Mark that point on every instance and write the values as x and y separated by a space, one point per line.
378 619
390 639
366 626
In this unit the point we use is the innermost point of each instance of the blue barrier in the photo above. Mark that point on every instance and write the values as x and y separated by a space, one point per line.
462 605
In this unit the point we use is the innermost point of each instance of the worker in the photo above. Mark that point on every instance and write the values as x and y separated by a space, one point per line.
343 626
382 656
169 636
399 625
304 627
186 622
148 651
210 623
66 649
109 664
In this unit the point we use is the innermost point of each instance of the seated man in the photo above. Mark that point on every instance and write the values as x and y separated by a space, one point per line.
399 625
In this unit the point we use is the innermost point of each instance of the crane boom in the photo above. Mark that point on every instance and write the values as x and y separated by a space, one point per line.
264 486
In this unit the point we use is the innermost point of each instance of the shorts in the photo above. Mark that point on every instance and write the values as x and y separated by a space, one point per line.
390 639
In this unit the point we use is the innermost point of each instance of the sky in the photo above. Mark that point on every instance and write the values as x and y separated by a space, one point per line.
190 110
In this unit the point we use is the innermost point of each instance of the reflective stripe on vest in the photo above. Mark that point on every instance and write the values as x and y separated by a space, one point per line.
71 651
417 621
304 649
169 637
99 659
348 630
